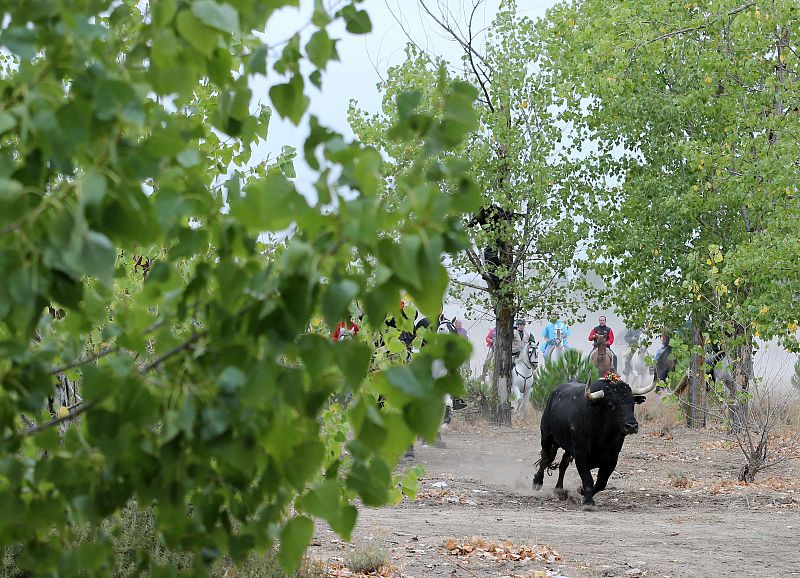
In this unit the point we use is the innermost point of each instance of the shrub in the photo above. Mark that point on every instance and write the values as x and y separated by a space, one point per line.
574 365
366 558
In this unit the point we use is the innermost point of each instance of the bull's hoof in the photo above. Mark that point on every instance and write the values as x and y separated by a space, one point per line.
589 506
409 453
537 486
561 493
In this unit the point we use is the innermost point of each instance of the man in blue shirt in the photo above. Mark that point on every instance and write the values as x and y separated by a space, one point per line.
550 332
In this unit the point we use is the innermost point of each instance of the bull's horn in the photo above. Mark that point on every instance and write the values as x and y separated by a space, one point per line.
587 392
643 390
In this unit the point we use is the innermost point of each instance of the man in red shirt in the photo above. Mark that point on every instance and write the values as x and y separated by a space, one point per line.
603 329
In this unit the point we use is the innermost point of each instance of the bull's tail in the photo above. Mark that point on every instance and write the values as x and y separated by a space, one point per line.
549 469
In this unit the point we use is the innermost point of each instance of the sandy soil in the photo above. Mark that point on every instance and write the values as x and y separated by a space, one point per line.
672 509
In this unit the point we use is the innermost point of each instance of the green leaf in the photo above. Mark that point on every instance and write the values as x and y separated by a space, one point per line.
164 12
320 18
268 204
92 189
199 36
20 41
371 481
358 21
10 190
295 537
336 299
289 99
257 61
223 17
7 121
425 416
97 257
188 157
321 49
325 501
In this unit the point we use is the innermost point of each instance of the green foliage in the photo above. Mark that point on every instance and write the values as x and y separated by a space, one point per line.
476 390
573 366
184 355
796 376
132 535
687 110
515 155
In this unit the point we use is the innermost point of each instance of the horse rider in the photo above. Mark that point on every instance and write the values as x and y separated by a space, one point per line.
521 336
603 329
664 345
549 335
632 338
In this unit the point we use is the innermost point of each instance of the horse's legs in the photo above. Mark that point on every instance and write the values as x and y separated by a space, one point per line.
628 357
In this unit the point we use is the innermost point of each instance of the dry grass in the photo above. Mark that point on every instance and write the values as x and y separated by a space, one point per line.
312 568
367 558
659 412
679 480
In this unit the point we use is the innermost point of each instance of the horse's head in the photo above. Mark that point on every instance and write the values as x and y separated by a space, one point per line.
600 340
446 325
532 351
559 336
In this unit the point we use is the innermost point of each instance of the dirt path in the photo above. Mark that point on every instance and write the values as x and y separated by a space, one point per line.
672 509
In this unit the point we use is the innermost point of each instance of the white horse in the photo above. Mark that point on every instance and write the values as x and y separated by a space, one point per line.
524 370
640 372
558 349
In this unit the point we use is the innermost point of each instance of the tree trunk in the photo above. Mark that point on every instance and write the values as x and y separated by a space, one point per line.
696 415
501 376
742 360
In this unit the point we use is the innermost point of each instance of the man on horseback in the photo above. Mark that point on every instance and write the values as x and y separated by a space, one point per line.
521 336
551 332
608 333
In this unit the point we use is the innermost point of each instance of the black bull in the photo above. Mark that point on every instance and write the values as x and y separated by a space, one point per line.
589 422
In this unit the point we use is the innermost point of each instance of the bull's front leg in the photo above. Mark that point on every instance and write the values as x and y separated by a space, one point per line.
603 473
587 488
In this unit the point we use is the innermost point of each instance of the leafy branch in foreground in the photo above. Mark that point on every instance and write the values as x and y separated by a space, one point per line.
126 130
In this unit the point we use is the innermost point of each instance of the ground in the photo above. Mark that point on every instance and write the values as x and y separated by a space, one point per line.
673 509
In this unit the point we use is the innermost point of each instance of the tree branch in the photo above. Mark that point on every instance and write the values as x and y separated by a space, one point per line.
470 285
82 407
100 354
175 350
84 360
733 12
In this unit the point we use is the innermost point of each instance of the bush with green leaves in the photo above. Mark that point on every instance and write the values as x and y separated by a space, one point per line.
572 366
156 345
